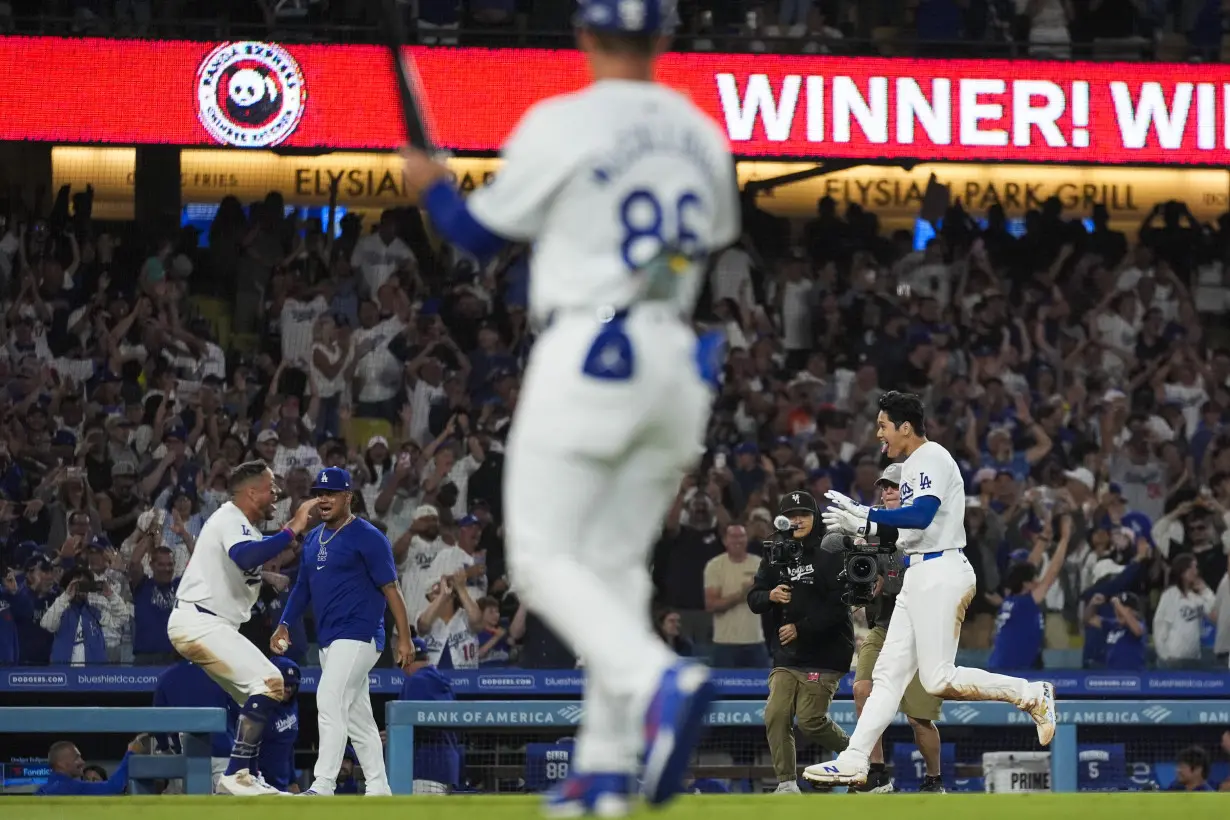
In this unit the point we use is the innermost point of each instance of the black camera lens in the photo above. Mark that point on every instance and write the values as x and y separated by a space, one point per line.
861 569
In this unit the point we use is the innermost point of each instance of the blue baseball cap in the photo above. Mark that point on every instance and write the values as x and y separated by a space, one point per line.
332 480
467 521
420 649
627 16
291 676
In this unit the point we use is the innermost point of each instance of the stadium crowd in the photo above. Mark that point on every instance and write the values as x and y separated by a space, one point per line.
1104 29
1082 380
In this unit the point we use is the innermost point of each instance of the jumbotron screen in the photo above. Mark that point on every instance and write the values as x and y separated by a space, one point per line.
262 94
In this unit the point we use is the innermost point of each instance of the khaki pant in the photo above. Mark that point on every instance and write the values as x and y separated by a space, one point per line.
917 702
807 695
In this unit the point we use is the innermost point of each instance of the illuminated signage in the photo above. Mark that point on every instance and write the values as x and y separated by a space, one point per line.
343 97
373 181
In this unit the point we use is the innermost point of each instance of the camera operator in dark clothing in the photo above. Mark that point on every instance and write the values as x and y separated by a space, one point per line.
812 639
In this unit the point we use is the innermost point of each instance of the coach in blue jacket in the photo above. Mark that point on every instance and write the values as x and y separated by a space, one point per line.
67 768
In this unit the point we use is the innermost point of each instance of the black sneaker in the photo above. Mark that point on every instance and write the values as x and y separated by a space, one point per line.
934 784
877 778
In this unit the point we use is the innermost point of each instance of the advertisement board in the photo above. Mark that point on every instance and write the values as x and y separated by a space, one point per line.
260 95
371 181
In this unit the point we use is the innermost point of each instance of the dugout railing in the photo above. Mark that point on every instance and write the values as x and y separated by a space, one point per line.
1075 717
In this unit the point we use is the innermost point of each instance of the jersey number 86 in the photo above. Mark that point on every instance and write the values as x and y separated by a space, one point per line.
650 227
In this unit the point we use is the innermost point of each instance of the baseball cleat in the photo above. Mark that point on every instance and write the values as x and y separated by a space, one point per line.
673 725
1042 710
243 784
308 793
789 787
933 784
599 795
885 786
843 772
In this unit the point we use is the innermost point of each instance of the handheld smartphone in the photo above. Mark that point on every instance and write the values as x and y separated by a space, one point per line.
719 461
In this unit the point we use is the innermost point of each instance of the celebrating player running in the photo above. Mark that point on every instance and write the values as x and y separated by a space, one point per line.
216 595
347 574
939 584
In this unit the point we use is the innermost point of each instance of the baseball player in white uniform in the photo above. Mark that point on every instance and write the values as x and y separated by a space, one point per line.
624 188
216 595
939 584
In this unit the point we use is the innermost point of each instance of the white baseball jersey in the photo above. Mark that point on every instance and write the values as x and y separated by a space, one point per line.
456 638
930 470
214 581
602 180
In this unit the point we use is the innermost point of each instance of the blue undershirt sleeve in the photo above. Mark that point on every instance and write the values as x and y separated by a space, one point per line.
915 516
451 218
251 554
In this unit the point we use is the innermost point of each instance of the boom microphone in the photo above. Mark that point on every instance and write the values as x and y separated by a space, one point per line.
782 524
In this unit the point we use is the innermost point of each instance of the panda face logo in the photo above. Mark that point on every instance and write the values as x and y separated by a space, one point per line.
250 94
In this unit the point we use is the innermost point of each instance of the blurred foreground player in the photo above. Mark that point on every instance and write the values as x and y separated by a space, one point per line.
624 188
437 754
215 597
347 575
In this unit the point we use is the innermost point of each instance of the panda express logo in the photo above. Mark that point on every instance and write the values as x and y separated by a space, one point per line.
250 94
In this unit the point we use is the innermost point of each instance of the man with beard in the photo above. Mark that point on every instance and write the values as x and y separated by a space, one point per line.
348 576
215 598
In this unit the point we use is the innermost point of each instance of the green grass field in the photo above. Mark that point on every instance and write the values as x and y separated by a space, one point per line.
721 807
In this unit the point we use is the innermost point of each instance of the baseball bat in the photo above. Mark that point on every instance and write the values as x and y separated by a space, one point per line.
407 85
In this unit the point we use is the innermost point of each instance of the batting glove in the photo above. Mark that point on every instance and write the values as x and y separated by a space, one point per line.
848 504
838 520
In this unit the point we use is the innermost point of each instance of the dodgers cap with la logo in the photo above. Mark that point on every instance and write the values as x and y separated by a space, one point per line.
332 480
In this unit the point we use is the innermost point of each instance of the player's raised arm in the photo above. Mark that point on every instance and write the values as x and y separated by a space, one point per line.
512 207
243 543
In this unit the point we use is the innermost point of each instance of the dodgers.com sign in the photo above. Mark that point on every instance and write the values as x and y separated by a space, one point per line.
255 94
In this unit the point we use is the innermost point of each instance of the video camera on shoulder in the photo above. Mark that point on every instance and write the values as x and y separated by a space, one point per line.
785 548
862 566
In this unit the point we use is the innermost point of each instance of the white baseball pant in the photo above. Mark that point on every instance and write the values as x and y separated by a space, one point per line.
215 645
592 467
922 637
344 709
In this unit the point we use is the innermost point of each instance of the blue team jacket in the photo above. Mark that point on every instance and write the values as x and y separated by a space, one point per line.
61 785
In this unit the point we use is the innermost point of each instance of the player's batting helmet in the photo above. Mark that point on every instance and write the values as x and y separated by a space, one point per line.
797 502
627 16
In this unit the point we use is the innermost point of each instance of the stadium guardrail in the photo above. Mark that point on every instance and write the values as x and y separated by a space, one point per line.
404 717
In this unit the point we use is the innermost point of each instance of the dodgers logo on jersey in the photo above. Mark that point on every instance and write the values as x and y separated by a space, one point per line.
907 492
244 528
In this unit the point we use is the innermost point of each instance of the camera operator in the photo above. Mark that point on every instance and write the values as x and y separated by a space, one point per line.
812 639
921 709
